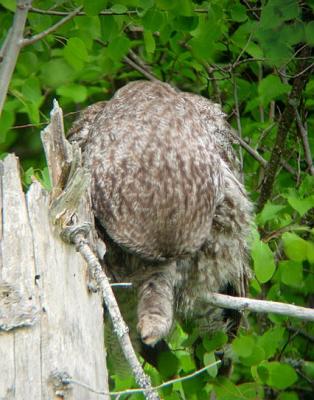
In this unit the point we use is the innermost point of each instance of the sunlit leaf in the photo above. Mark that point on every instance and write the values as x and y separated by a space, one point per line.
264 263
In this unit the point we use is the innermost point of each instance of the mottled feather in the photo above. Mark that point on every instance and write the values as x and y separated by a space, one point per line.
168 199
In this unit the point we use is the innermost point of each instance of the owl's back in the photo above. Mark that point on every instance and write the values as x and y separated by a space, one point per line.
157 173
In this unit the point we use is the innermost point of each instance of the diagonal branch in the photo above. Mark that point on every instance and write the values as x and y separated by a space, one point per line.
256 155
140 69
285 123
11 48
53 28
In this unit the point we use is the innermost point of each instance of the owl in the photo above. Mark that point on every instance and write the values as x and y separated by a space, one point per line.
169 204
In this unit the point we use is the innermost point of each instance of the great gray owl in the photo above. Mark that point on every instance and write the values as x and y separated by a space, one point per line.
169 203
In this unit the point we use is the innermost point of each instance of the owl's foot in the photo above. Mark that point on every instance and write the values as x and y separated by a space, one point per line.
153 328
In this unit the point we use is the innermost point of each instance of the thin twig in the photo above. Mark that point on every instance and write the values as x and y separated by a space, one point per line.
51 29
252 9
79 14
140 62
119 325
259 306
305 142
133 391
237 113
300 73
140 69
104 12
248 148
301 332
12 48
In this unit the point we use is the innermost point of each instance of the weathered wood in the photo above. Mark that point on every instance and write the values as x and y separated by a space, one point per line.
55 325
57 149
19 369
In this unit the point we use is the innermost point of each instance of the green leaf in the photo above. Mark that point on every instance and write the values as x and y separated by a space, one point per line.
268 213
209 358
271 340
243 345
6 121
264 263
56 72
77 93
28 176
186 361
27 63
168 364
277 11
193 386
288 396
310 251
225 389
257 355
166 4
75 53
280 376
185 24
109 28
93 7
31 90
9 4
119 8
33 112
45 179
271 88
214 342
291 273
294 247
118 48
309 33
308 368
238 13
153 20
149 42
307 186
300 205
146 4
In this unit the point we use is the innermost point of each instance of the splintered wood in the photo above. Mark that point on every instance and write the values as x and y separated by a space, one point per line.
50 325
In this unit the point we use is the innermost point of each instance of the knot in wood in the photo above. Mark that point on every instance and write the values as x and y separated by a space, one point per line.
70 234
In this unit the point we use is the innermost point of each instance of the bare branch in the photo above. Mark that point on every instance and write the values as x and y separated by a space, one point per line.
248 148
53 28
140 69
139 61
259 306
283 130
299 73
12 47
119 325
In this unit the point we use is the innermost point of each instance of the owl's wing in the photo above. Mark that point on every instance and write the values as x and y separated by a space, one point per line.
217 126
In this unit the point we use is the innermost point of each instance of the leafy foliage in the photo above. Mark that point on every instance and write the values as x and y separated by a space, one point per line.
245 55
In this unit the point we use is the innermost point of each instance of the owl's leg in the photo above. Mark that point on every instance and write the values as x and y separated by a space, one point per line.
155 306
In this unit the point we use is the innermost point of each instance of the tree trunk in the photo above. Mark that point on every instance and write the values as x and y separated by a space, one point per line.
51 327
